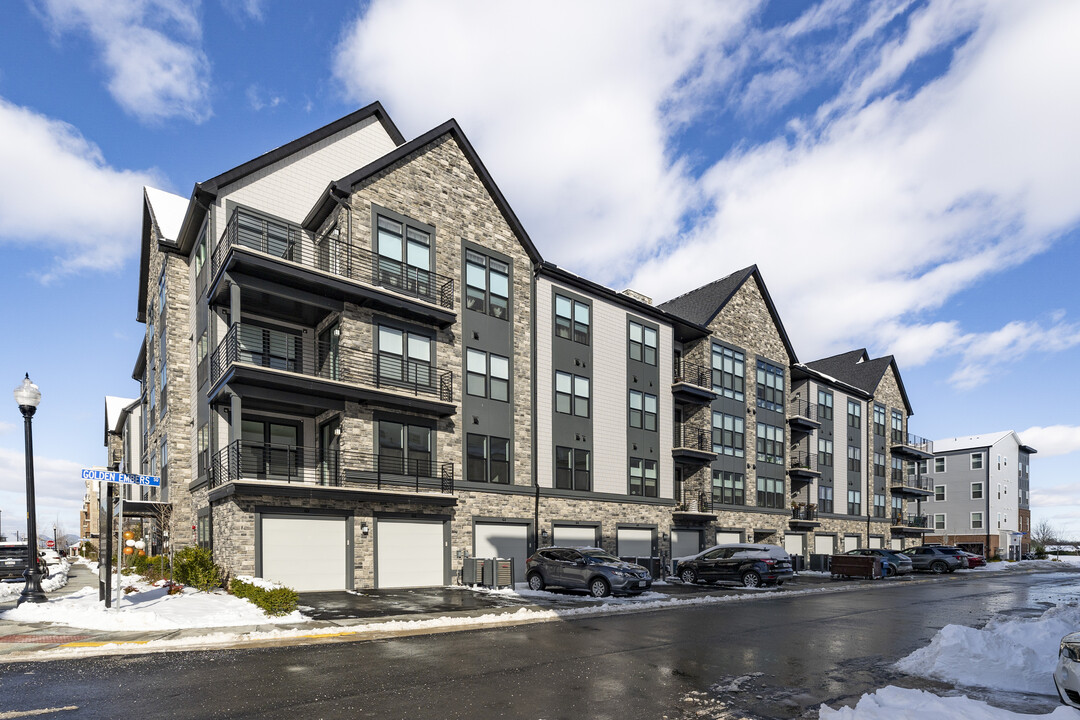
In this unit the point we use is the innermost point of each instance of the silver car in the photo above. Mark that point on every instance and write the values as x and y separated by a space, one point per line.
1067 672
589 569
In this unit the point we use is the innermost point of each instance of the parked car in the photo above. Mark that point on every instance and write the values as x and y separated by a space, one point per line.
974 560
1067 672
894 561
589 569
935 559
14 558
752 565
52 559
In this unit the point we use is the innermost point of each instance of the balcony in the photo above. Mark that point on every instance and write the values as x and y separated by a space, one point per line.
285 253
912 486
802 416
804 516
694 507
693 446
270 359
910 524
911 447
803 466
310 468
692 383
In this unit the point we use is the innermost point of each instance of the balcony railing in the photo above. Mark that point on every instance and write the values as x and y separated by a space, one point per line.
915 521
802 460
804 512
799 408
331 255
903 480
693 374
275 462
258 346
899 437
694 439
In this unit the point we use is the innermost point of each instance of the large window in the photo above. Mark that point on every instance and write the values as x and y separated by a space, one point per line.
854 502
643 477
770 386
643 408
770 492
642 343
879 464
404 357
404 256
824 452
405 448
572 319
824 404
854 459
487 285
879 505
770 444
571 394
488 459
879 420
824 499
728 434
854 414
572 469
897 425
162 288
728 488
729 372
487 375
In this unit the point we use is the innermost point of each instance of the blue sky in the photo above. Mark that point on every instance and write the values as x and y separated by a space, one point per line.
904 173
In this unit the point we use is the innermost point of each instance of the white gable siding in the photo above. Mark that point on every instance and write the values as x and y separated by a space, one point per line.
543 372
610 398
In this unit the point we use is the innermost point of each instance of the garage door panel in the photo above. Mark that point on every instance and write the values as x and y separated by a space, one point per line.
503 540
305 554
850 543
726 538
824 545
685 543
410 554
875 542
573 536
795 544
634 542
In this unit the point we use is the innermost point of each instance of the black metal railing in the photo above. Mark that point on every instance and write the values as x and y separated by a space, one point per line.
330 254
915 521
800 511
899 437
799 408
803 460
276 462
693 374
694 439
254 345
915 482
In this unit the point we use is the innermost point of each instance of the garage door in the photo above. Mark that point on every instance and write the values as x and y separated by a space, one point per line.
851 542
411 553
573 536
875 542
685 543
634 542
795 544
896 544
503 540
723 538
823 544
305 554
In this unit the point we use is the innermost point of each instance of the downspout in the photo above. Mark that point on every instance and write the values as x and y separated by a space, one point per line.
532 351
986 493
348 227
870 465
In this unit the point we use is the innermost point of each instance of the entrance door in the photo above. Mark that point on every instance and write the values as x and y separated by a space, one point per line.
329 442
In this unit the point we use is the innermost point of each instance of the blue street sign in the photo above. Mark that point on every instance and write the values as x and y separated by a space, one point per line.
122 478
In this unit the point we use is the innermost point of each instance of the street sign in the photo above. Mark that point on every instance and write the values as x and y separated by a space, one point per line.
49 543
122 478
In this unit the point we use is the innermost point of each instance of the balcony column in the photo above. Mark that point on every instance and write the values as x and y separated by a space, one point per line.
234 418
234 303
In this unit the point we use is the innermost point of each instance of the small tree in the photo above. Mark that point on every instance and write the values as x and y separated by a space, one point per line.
1043 534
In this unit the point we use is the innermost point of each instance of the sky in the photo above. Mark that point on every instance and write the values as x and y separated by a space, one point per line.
906 175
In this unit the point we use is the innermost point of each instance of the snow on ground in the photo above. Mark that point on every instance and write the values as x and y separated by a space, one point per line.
56 580
893 703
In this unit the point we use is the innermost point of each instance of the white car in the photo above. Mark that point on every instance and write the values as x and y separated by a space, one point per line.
52 560
1067 673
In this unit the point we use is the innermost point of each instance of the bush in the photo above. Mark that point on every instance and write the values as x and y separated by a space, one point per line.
195 566
278 601
152 567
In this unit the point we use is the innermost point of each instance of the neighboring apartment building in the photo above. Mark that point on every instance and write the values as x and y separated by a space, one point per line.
982 494
358 371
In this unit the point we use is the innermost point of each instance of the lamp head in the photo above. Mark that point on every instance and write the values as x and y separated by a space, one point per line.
27 393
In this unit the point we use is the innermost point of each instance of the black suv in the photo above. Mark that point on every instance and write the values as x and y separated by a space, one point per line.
14 558
589 569
752 565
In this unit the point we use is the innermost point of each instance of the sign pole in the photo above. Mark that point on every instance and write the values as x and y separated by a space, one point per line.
119 548
106 562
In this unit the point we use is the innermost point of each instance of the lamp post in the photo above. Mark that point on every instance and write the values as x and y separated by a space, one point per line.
27 397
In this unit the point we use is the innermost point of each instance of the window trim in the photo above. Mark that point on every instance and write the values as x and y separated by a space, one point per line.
642 345
982 492
982 522
572 328
943 489
976 461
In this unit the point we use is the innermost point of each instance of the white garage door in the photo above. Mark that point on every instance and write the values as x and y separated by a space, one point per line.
305 554
896 544
724 538
875 542
410 554
573 536
634 542
502 540
851 542
823 545
795 544
685 543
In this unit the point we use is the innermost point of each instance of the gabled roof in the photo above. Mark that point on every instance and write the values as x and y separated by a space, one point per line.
163 215
343 187
856 368
116 409
984 440
701 306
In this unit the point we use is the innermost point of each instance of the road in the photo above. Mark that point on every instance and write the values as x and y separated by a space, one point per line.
779 657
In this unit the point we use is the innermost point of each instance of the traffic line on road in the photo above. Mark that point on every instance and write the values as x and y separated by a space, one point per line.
32 713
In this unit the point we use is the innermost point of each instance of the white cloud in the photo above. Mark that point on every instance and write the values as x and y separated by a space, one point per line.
240 9
1053 440
96 229
58 491
258 99
150 49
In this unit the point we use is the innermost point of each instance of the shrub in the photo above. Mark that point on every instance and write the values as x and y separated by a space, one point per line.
275 601
195 566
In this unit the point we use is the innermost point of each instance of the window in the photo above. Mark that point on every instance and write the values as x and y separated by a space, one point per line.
976 521
203 532
825 499
939 465
163 378
897 421
487 375
824 404
854 502
939 521
976 491
643 407
728 488
405 448
879 464
164 453
488 459
643 343
879 420
976 461
825 452
770 443
203 462
898 469
572 469
404 357
162 290
571 319
770 386
571 394
487 285
879 505
854 459
770 493
643 477
729 435
404 252
897 507
854 414
729 372
939 493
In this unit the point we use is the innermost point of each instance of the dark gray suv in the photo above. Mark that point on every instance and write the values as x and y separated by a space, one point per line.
934 558
589 569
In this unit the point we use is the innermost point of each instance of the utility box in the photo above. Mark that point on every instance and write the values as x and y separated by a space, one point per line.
503 572
488 572
472 571
819 562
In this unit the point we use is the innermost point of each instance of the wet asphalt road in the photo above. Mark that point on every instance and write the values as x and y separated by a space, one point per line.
779 657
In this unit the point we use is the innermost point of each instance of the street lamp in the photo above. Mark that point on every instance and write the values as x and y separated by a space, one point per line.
27 397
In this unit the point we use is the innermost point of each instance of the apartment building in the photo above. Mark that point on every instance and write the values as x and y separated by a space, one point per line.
359 371
982 493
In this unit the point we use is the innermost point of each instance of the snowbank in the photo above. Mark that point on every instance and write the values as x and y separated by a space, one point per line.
893 703
55 581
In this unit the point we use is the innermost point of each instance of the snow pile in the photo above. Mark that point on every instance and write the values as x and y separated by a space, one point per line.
260 582
1007 654
893 703
55 581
